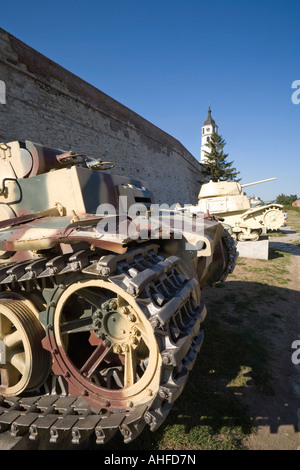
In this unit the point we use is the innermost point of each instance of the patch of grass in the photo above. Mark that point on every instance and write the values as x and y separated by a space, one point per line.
292 208
232 347
271 272
210 418
294 219
277 233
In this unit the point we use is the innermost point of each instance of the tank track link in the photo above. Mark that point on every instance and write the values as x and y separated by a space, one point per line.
232 253
170 300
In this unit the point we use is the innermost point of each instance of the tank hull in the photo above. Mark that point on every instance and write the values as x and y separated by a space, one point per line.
100 300
248 224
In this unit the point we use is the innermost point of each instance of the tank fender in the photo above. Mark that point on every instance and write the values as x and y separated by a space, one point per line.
257 210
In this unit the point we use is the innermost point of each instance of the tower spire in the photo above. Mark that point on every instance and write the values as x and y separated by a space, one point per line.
208 128
209 120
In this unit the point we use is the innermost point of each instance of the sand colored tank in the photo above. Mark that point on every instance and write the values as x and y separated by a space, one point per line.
227 200
100 307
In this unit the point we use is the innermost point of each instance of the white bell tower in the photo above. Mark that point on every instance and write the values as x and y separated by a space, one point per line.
207 129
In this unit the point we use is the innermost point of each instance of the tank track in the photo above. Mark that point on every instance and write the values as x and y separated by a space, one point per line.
232 253
170 299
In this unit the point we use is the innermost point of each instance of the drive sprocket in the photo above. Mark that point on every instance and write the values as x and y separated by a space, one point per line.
273 218
103 345
126 343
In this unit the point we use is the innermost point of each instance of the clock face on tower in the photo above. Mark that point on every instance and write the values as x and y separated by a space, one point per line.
207 129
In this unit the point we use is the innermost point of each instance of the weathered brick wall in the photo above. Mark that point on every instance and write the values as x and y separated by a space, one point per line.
46 103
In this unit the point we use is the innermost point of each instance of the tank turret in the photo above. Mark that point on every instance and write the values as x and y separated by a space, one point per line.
225 188
227 200
100 303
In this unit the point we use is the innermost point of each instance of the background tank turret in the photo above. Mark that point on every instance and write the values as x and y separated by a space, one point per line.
227 200
100 303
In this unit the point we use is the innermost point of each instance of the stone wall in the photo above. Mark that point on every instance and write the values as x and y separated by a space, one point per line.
45 103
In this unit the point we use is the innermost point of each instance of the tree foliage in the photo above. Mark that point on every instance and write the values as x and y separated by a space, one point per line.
286 200
216 160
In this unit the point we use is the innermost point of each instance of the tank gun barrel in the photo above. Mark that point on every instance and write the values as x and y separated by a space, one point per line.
257 182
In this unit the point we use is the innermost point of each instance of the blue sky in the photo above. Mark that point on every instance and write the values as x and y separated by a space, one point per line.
168 59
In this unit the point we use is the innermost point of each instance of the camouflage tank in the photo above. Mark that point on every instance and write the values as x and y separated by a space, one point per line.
99 325
226 200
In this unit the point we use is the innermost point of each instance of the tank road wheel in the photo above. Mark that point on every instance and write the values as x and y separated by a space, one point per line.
24 364
103 345
255 234
241 236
